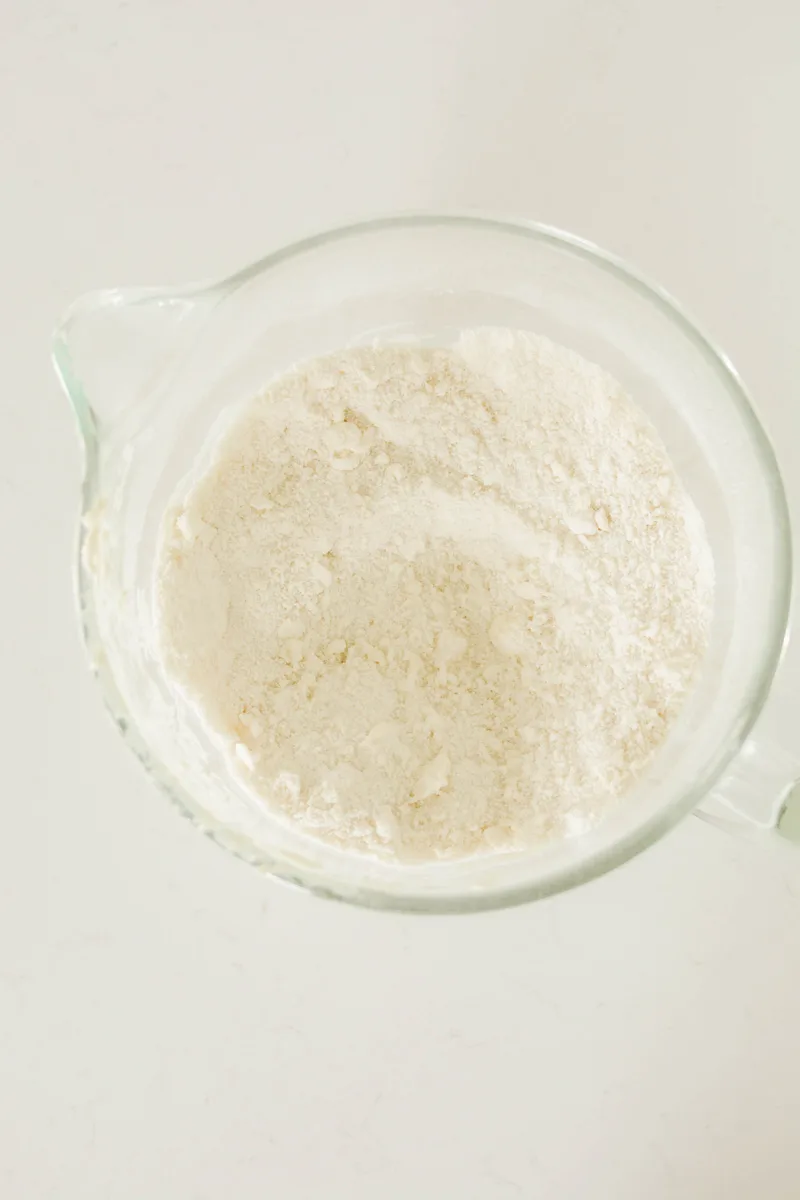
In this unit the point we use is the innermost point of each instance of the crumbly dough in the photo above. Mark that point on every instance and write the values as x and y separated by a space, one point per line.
437 602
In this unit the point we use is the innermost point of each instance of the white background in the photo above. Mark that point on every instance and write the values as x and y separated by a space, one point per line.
172 1025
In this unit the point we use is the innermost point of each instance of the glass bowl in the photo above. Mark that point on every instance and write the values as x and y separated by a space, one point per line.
149 371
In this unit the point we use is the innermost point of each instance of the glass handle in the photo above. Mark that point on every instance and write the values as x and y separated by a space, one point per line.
760 791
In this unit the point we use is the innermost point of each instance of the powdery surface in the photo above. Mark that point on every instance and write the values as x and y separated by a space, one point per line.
438 602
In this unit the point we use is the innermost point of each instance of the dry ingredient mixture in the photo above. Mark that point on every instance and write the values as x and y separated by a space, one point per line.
437 602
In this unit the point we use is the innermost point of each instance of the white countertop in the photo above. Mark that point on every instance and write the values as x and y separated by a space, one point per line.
172 1025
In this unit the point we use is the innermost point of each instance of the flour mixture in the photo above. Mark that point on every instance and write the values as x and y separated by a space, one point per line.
437 602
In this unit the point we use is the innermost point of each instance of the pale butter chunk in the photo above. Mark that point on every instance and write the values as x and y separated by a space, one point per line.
437 602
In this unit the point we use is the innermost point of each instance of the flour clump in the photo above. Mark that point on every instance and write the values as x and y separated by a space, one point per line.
437 601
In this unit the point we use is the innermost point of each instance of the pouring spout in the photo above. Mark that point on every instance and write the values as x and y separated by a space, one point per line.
109 347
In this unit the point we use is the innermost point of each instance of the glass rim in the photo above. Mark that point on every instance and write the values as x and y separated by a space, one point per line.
604 859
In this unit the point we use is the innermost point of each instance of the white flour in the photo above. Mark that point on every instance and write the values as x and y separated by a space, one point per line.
438 602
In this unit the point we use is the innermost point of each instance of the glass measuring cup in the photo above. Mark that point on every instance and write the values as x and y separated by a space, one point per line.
148 372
